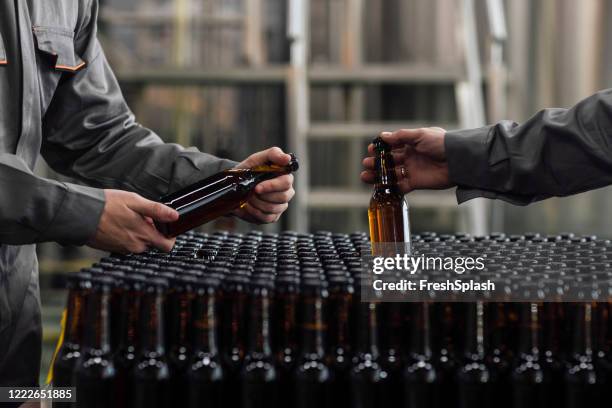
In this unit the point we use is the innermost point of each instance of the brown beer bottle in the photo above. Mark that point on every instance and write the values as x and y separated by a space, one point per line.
259 377
286 334
205 372
312 376
79 286
497 356
341 292
128 341
531 384
369 381
388 210
446 329
233 334
583 387
420 375
151 375
473 377
95 371
179 305
217 195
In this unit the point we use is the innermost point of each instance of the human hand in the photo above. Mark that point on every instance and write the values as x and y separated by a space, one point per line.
271 197
127 224
419 156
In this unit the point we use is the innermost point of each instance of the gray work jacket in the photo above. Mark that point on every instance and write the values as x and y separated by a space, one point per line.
73 113
558 152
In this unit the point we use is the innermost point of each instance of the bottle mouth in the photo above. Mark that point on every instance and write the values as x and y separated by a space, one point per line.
294 165
380 145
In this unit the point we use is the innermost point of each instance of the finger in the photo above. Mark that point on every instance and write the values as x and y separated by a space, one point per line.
259 216
274 155
154 210
156 239
368 176
402 137
280 197
267 207
398 157
278 184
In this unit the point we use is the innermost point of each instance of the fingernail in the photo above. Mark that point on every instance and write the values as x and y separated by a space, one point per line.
385 134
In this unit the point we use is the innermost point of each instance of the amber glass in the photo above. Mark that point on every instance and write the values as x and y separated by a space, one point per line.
79 286
388 211
95 372
205 374
217 195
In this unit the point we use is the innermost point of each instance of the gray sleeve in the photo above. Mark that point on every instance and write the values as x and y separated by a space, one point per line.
558 152
89 132
34 209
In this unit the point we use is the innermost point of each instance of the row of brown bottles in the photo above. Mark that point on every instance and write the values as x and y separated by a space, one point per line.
276 320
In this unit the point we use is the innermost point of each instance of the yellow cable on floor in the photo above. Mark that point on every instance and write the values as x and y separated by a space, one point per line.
60 341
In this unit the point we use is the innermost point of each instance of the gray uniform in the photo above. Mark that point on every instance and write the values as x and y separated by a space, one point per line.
558 152
59 97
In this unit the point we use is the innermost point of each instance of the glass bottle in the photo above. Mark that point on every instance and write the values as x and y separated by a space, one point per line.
312 375
205 372
79 286
150 376
217 195
259 377
420 375
286 334
95 372
388 210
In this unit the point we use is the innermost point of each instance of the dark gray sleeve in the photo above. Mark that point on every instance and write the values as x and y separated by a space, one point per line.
558 152
91 134
34 209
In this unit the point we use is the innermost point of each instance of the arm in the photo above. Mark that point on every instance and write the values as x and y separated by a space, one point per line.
558 152
90 133
34 209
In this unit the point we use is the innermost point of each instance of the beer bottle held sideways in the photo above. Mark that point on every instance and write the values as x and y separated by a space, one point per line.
217 195
388 210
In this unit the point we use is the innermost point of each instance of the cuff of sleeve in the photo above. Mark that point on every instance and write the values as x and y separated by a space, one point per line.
467 153
465 194
77 217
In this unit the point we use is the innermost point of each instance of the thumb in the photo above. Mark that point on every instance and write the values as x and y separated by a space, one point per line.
156 211
273 155
402 137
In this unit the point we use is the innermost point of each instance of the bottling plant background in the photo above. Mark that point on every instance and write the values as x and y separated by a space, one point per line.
220 75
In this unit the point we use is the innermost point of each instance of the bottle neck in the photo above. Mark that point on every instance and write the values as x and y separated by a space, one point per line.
313 326
259 323
447 322
474 331
74 317
131 304
339 331
367 338
551 315
205 324
581 344
420 342
496 327
152 321
385 171
287 333
529 334
98 338
234 308
180 305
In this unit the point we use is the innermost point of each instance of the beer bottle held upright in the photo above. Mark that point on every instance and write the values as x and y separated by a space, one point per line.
388 210
217 195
